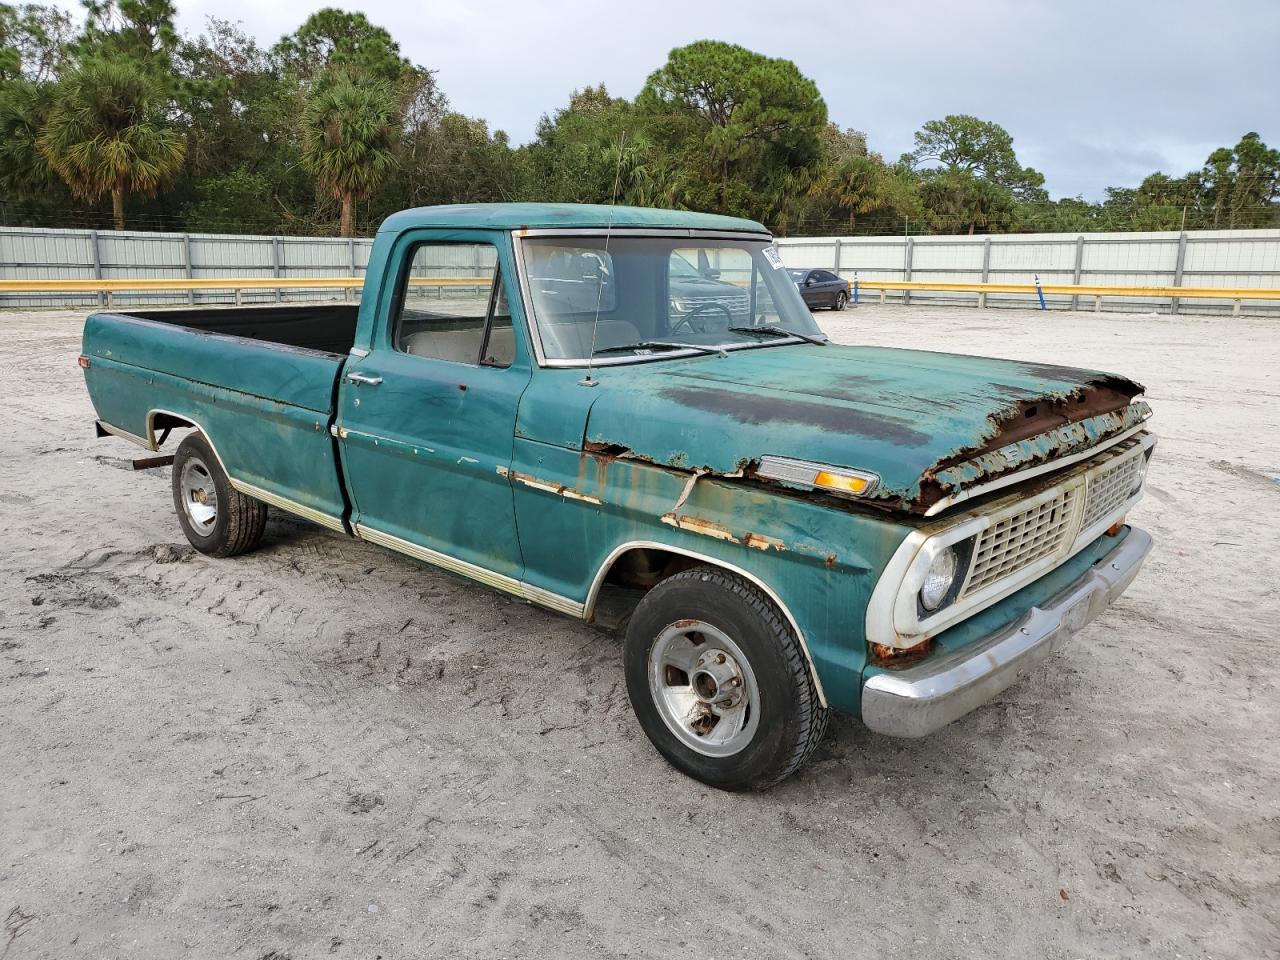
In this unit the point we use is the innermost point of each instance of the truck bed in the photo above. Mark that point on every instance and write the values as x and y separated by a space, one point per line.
259 382
329 328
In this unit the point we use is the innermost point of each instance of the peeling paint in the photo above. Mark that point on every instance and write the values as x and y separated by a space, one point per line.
569 493
708 528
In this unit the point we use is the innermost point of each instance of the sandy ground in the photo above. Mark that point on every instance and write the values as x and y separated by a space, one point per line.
326 749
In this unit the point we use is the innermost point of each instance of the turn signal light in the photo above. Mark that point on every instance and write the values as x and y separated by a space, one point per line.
842 482
84 362
1115 527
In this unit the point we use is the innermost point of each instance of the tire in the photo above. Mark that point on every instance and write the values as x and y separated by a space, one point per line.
675 669
841 299
233 523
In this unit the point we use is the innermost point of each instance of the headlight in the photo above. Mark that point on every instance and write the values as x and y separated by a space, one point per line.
938 579
679 305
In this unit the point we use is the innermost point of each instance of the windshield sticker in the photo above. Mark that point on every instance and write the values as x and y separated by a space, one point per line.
771 254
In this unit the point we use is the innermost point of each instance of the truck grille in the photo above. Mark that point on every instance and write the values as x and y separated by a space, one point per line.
1019 540
1110 488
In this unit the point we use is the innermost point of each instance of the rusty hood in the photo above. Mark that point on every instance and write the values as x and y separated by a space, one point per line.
927 424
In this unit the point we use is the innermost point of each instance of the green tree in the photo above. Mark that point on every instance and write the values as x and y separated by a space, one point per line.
958 200
739 124
33 42
106 134
1242 183
139 32
337 41
960 143
350 133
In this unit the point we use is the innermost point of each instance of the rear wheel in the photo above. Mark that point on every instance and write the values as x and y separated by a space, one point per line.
719 682
841 299
218 519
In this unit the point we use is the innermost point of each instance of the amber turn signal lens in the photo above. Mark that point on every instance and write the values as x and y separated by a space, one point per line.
83 361
837 481
1115 527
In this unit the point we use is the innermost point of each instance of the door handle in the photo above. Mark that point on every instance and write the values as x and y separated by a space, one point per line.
365 379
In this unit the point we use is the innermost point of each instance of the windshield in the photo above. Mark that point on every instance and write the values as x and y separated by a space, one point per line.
659 294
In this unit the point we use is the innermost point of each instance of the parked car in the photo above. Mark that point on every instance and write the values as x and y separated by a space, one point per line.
784 526
821 288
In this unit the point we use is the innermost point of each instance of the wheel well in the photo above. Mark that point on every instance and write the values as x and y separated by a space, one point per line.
639 568
162 423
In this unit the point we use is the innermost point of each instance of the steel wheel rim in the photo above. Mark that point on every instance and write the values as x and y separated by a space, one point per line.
199 495
704 688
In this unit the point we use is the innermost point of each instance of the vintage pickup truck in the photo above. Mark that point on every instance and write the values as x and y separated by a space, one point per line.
538 398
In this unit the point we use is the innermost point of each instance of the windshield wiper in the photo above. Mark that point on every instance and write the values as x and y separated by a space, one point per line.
773 330
659 345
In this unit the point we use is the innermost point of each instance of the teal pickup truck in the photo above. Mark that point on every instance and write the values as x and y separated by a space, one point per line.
544 398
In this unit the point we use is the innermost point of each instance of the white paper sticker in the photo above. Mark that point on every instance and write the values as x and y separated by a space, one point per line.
771 254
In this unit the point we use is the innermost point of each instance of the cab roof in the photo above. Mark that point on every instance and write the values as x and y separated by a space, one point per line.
515 216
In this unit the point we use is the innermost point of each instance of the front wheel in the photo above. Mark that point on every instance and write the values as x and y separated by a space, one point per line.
216 517
719 682
841 299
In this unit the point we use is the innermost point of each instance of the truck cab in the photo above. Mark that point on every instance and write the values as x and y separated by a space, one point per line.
630 415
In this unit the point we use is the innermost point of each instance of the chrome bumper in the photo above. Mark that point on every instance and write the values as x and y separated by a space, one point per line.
917 700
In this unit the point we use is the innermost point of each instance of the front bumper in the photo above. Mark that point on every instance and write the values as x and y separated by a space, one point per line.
918 700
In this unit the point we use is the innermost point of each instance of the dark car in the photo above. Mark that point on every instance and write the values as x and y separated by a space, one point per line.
821 288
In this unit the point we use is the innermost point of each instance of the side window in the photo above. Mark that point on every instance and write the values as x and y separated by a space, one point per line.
451 292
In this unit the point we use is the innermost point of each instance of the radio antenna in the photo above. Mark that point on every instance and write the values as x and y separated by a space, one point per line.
588 380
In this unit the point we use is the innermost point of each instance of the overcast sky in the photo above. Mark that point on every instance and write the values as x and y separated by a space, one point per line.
1095 94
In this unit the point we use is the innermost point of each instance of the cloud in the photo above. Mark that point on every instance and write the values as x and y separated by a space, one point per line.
1095 93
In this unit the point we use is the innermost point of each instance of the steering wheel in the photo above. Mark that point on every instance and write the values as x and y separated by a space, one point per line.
704 326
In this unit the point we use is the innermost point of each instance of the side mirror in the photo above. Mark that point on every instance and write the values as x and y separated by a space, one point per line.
808 281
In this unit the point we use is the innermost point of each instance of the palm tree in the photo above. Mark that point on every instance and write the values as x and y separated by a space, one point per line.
106 133
349 135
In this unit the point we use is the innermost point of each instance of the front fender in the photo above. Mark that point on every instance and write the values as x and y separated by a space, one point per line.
577 512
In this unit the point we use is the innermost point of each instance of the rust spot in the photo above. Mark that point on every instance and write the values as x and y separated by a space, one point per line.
830 561
883 655
709 528
548 486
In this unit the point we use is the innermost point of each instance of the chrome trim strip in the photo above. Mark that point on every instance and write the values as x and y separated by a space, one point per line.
1019 475
498 581
124 434
284 503
916 701
676 232
598 581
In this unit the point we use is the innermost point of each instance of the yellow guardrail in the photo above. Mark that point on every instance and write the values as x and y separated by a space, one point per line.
238 284
233 284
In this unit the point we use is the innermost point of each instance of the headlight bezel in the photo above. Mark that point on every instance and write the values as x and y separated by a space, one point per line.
962 551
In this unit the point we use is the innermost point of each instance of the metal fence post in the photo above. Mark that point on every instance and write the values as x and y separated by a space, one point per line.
186 251
1177 270
836 269
907 257
986 270
275 253
349 293
1075 279
97 265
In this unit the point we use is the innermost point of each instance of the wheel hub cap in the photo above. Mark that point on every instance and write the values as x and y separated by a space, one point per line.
704 688
199 495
